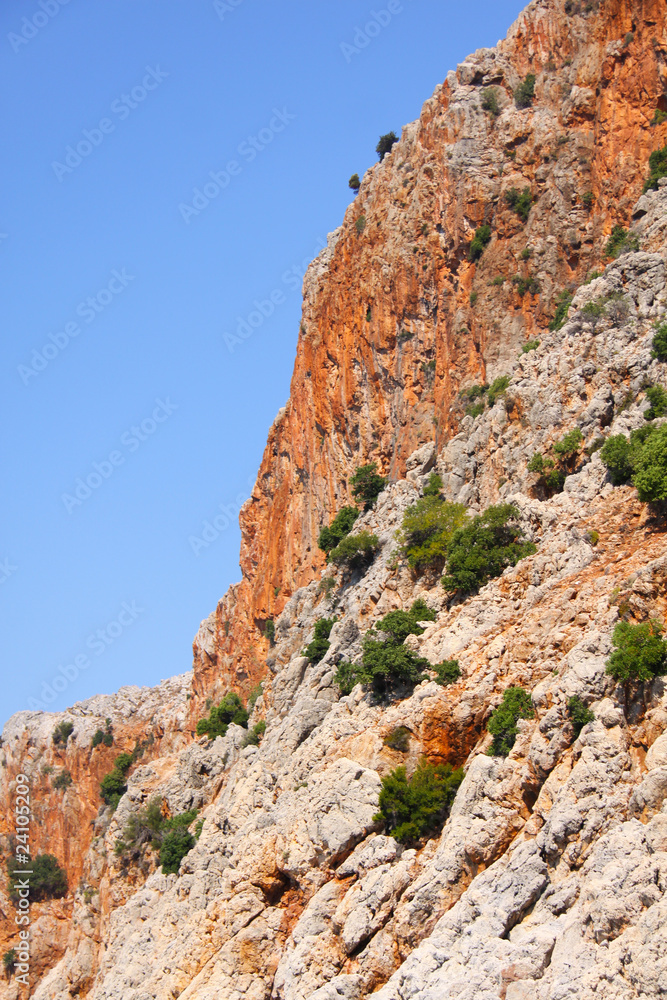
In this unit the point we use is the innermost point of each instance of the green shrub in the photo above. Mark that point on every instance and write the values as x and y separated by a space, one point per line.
107 739
473 298
9 960
525 92
348 675
498 280
659 344
657 164
62 732
617 455
640 652
530 345
254 737
594 446
316 649
433 486
360 225
398 739
341 526
427 527
580 716
588 200
659 117
551 478
482 549
563 303
253 696
411 809
489 101
657 397
448 672
149 826
354 183
270 631
528 284
475 410
62 780
620 242
479 242
221 716
526 253
502 725
48 879
520 201
97 738
474 392
398 625
569 444
355 551
385 144
367 484
113 785
650 467
175 846
497 388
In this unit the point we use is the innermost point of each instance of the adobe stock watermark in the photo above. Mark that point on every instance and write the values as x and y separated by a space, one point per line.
224 7
131 440
248 150
31 26
227 516
122 108
97 642
88 310
363 36
7 570
264 308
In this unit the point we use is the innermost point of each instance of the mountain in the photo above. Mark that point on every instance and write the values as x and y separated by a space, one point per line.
479 326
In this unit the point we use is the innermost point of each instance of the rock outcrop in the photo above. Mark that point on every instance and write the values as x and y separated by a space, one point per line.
548 878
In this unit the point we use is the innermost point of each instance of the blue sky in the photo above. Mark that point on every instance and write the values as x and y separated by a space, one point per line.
130 414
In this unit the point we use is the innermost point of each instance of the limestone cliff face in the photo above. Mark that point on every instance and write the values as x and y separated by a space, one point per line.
389 335
549 878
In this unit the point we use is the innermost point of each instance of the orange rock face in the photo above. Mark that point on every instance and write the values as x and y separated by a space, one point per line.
397 319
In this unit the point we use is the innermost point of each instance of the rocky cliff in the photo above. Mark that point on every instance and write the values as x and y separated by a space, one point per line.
548 878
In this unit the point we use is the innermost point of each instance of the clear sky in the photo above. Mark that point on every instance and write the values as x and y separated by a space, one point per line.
131 408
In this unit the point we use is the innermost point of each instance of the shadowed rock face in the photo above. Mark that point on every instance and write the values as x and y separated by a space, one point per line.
549 877
388 336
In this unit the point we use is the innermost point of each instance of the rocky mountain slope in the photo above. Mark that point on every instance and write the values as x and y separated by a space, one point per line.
548 878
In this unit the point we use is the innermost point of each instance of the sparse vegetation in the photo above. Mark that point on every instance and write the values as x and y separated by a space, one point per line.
341 526
475 410
588 200
650 467
175 846
659 117
317 648
9 960
270 631
530 345
551 477
367 484
640 652
620 454
484 548
620 242
489 101
113 785
502 725
497 388
525 92
354 183
62 733
428 526
221 716
563 303
473 298
659 343
520 201
528 284
104 736
168 836
48 879
412 808
254 736
355 551
568 446
398 739
526 253
62 781
480 240
579 714
386 144
360 225
657 397
447 672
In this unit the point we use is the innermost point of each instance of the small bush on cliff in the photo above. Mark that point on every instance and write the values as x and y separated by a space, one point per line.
48 879
650 471
428 526
367 484
9 960
398 625
657 397
530 345
174 847
113 785
563 302
447 672
412 808
149 826
254 736
525 92
355 551
502 725
62 781
316 649
386 144
485 547
620 242
520 202
270 631
354 183
103 736
659 344
341 526
640 652
479 242
489 101
657 164
62 732
579 715
551 477
568 447
218 721
398 739
497 388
